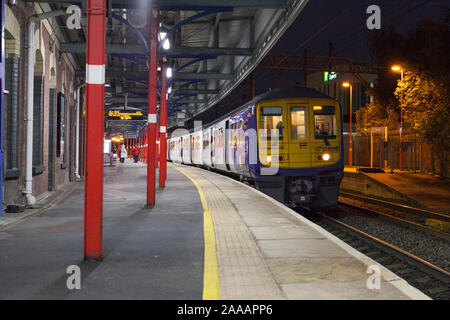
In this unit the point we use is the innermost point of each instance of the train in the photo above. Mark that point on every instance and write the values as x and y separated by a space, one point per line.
286 142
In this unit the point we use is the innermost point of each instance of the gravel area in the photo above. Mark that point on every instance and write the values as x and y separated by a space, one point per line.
423 245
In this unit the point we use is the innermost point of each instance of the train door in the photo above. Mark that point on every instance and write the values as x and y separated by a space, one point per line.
191 145
299 144
272 120
181 151
213 146
240 147
227 144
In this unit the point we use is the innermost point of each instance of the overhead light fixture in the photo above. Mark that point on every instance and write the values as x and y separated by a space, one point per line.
166 44
169 72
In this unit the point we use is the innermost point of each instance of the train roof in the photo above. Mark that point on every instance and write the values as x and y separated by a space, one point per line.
288 92
278 93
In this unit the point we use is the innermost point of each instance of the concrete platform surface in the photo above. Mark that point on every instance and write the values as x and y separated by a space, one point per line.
268 251
152 253
260 248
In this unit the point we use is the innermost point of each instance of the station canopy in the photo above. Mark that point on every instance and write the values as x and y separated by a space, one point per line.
212 46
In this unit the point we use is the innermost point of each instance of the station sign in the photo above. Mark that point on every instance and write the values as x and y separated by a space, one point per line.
120 115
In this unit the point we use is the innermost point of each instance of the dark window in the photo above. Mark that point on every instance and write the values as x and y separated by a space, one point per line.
38 121
12 85
60 129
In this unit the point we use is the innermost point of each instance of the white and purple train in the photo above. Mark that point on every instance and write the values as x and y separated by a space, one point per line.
286 142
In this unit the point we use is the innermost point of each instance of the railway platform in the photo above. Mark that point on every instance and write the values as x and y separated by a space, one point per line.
422 190
208 236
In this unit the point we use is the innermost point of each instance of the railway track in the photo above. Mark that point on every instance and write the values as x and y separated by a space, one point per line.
423 275
434 223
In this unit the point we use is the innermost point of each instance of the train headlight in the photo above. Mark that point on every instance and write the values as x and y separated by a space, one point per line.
326 157
269 159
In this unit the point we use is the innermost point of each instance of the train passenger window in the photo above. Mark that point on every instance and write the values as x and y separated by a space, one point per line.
298 123
241 132
271 119
325 122
221 138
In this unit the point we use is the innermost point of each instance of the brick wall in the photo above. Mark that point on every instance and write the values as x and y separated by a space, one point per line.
16 68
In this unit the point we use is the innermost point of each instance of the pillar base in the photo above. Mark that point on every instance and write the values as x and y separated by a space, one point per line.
30 199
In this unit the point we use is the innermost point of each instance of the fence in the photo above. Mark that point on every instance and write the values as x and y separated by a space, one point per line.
418 154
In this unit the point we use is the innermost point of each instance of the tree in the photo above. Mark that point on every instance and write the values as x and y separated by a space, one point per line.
426 104
423 54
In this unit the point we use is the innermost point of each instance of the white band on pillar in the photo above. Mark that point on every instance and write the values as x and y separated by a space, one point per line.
95 74
152 118
162 129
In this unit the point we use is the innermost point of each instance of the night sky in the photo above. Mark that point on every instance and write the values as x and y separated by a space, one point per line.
349 33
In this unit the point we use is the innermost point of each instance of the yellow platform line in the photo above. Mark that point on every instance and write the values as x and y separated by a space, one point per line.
211 288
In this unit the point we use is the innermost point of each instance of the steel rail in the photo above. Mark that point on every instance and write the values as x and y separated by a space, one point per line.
414 210
421 264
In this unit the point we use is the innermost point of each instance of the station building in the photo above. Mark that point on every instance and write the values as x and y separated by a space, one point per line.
330 83
54 106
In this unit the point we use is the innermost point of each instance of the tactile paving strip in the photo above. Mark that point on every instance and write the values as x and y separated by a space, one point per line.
243 273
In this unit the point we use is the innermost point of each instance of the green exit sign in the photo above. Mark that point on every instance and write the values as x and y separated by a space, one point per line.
327 76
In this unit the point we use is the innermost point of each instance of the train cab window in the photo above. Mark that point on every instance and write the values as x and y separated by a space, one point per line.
271 119
298 123
325 122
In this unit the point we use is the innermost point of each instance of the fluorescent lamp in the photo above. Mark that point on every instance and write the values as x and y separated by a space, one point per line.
166 44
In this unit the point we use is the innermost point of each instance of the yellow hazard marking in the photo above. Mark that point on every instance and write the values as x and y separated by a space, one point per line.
211 289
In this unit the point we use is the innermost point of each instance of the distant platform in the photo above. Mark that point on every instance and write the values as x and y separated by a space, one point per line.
417 189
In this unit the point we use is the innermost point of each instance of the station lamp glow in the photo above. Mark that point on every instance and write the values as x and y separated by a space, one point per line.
350 147
398 68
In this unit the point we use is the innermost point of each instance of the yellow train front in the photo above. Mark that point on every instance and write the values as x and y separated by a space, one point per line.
299 146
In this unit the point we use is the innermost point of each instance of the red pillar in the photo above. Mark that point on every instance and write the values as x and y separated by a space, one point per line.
152 102
163 125
145 144
157 148
95 104
141 155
